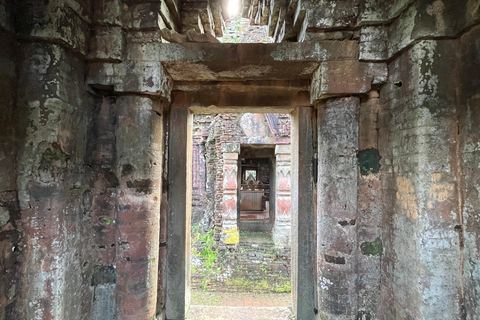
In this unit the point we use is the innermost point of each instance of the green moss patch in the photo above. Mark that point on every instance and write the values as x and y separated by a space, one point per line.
374 248
369 161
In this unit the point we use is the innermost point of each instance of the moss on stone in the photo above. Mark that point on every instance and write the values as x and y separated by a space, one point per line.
374 248
369 161
52 155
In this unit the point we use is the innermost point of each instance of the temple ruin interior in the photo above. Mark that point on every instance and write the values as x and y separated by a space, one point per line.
241 218
375 193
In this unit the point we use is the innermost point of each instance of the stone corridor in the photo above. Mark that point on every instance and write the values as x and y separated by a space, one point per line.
96 138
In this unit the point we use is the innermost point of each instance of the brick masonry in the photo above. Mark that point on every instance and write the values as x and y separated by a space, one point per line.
211 135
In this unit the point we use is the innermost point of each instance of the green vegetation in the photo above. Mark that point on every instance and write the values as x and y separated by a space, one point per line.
374 248
250 284
107 221
286 288
204 299
369 161
208 254
226 270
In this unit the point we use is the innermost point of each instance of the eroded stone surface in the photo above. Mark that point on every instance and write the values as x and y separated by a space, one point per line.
81 164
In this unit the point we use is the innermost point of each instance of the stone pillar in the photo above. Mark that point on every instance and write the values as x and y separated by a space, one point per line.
283 200
337 208
369 208
139 171
303 215
54 186
230 233
179 209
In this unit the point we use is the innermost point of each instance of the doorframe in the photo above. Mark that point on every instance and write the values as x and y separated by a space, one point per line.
178 280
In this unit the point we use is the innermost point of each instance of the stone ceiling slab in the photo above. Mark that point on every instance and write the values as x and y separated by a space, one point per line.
230 62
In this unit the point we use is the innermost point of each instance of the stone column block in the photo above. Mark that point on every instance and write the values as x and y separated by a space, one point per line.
303 215
283 203
179 214
229 200
139 167
337 207
340 78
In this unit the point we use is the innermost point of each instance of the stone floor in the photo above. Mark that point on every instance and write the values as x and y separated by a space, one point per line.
239 306
239 313
240 299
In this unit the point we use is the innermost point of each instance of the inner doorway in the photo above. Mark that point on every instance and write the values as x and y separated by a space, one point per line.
236 256
180 191
257 188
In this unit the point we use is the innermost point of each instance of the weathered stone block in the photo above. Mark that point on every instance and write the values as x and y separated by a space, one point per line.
201 8
143 77
53 21
372 12
431 19
422 141
231 148
470 155
326 14
373 43
191 20
337 201
104 306
4 216
281 149
141 16
107 44
107 12
397 7
168 17
138 168
345 78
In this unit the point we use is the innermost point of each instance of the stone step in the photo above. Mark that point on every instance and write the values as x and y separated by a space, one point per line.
239 313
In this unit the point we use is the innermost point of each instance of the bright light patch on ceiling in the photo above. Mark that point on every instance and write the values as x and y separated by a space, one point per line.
233 8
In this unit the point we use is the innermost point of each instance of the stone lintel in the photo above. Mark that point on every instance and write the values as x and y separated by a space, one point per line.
282 149
140 77
254 53
343 78
230 150
287 94
251 61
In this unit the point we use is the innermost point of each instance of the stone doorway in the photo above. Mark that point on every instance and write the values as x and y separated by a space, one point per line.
255 192
237 245
178 271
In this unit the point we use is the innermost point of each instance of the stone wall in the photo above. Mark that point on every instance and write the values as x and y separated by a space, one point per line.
53 181
201 200
64 171
208 172
409 226
258 265
10 225
468 158
424 130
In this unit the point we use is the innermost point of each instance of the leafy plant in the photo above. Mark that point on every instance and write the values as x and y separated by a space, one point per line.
208 254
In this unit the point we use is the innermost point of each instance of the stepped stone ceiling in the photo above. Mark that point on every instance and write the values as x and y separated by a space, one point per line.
285 19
